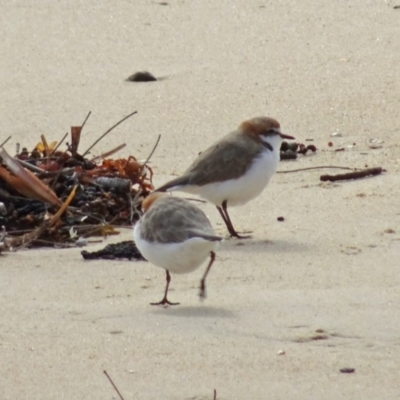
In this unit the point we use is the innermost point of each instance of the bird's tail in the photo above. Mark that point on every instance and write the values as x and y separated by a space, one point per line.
173 185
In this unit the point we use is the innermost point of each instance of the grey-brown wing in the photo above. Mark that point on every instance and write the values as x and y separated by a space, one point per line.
227 159
206 236
172 219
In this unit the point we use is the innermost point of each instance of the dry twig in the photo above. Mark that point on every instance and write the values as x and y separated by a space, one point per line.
107 132
152 152
113 384
2 144
59 144
352 175
108 153
84 122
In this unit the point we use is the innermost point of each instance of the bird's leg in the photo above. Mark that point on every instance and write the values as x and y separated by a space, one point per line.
165 300
223 216
202 293
224 213
227 220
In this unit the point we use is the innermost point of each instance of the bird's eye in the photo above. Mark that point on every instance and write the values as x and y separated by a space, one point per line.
270 132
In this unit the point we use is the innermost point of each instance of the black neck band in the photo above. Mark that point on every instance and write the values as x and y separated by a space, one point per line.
267 145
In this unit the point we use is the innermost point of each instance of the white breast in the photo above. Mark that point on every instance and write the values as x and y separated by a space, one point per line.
178 258
240 191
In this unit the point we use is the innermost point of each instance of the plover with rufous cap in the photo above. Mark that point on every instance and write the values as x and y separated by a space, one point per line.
175 235
235 169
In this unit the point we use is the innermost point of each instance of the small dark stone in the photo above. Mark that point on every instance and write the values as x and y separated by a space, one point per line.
312 148
302 149
143 76
347 370
280 219
284 146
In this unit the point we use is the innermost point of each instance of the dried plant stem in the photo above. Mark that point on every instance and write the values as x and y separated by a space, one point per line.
59 144
319 167
109 153
135 201
113 384
46 146
30 166
51 174
152 152
84 122
2 144
352 175
107 132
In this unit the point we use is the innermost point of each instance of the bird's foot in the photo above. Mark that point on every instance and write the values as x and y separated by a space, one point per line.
202 294
236 235
164 302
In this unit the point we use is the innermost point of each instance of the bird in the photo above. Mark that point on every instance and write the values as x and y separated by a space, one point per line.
235 169
177 236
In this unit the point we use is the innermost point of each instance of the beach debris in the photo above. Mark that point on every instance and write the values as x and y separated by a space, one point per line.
2 236
336 134
81 242
389 230
113 384
4 142
142 76
281 353
280 219
24 181
352 175
375 144
347 370
289 151
53 197
126 249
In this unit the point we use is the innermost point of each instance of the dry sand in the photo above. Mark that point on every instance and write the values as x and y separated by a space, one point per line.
332 265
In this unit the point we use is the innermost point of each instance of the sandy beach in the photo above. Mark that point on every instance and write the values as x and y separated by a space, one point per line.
287 309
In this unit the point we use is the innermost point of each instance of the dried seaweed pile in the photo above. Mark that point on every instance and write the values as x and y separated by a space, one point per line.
289 151
53 197
126 249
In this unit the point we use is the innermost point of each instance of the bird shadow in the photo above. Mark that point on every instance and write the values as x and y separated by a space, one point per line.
195 311
274 246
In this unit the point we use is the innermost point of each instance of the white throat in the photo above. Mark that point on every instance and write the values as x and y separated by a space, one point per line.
275 141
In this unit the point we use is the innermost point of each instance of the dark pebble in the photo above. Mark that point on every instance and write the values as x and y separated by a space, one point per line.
312 148
347 370
280 219
142 76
